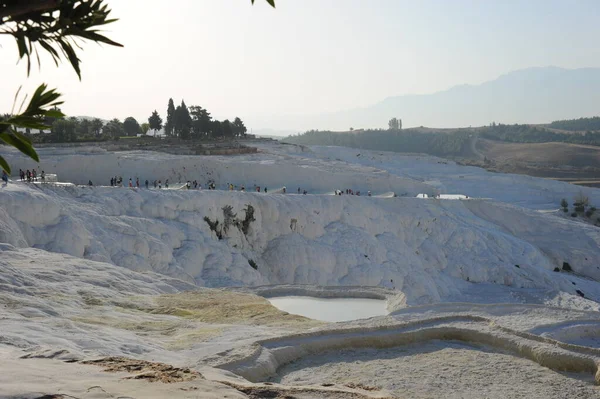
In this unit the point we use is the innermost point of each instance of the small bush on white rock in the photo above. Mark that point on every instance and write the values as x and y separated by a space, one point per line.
230 219
564 204
249 218
214 226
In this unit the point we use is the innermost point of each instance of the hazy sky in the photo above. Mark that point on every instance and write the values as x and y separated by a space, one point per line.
306 56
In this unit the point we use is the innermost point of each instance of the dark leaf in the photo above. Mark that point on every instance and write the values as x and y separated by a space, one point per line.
4 165
37 56
54 113
70 53
51 50
21 44
15 99
26 122
22 102
22 137
92 35
271 2
22 146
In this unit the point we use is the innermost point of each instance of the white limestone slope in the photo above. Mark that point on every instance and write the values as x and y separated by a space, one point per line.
447 177
44 293
84 270
429 250
273 170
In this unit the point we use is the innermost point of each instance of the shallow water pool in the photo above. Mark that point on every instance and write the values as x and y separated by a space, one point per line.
330 309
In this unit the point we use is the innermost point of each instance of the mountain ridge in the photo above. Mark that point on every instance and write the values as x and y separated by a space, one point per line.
532 95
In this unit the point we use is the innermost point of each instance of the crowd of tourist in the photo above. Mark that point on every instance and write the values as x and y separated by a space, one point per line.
117 181
31 175
349 191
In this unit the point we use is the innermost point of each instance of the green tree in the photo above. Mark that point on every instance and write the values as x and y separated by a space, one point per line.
107 130
53 26
64 130
564 204
84 128
216 129
170 124
183 121
227 128
114 128
201 121
73 128
96 126
195 112
395 124
145 127
49 119
58 131
155 122
239 129
131 126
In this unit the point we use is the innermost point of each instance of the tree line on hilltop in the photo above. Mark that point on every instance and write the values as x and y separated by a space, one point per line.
393 139
453 143
182 122
577 125
534 134
195 122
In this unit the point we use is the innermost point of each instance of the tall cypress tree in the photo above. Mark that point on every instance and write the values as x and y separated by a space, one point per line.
155 122
183 121
170 124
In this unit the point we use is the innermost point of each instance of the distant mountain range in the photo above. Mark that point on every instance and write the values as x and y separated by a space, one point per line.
533 95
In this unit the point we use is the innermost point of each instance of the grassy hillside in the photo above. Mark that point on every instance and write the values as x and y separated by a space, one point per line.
536 150
435 143
454 142
577 125
537 134
574 155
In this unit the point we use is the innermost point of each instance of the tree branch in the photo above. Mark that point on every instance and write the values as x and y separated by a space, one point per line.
24 7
